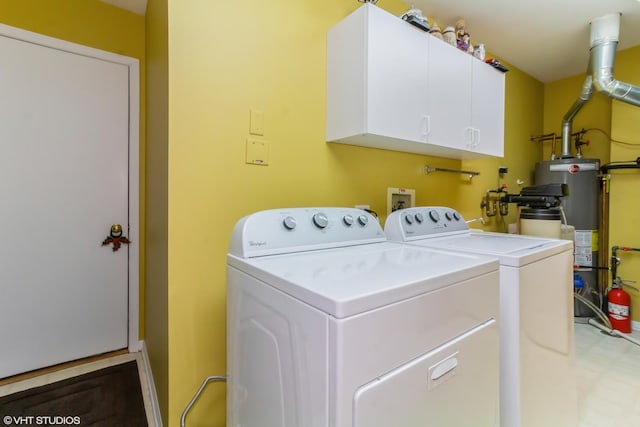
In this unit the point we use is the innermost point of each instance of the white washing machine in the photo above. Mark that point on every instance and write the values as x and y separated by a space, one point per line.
328 324
537 359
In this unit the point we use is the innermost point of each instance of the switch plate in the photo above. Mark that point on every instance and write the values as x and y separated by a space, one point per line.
257 152
256 122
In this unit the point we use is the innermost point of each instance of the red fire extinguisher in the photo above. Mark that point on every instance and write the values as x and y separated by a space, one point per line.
619 308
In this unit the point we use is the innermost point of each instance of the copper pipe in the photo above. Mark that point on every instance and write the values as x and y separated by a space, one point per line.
547 137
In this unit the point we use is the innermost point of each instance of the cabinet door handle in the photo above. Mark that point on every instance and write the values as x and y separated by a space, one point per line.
427 125
469 136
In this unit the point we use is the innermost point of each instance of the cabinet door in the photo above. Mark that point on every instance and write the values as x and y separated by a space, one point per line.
488 110
449 94
397 78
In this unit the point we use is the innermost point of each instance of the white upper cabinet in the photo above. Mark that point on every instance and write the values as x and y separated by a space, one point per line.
449 94
393 86
487 113
377 79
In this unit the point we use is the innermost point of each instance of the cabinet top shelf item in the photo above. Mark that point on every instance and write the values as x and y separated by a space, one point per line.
392 86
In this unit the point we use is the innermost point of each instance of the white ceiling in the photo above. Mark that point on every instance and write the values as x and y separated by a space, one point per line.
548 39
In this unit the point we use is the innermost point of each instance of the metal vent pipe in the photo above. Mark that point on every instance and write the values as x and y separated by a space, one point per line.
604 41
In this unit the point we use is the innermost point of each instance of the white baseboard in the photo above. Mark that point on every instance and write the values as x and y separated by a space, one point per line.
154 410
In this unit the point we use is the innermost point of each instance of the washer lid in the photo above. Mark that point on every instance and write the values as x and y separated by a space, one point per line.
512 249
351 280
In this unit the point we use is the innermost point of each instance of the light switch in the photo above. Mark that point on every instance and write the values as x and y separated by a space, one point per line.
256 122
257 152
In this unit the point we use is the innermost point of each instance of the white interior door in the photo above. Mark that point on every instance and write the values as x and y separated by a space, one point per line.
64 180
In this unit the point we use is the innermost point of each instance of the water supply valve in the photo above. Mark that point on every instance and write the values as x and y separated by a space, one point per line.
493 202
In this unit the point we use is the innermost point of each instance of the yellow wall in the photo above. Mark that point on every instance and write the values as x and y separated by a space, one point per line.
624 203
156 243
88 22
559 96
224 59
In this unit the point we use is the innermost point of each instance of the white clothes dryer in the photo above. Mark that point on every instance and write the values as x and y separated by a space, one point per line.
537 358
329 324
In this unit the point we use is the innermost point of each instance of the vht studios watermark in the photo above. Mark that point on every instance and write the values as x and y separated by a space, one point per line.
40 420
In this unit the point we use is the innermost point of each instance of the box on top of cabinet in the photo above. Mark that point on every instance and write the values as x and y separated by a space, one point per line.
395 87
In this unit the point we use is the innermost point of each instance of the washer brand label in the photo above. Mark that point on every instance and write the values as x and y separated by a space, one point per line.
255 244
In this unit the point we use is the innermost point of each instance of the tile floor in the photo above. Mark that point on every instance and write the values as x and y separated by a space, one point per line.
608 379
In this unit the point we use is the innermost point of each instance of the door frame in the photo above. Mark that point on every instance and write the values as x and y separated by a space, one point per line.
133 64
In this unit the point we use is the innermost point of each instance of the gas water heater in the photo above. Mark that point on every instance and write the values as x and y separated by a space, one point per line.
581 209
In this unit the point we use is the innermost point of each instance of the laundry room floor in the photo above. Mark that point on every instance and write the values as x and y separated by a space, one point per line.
51 376
608 378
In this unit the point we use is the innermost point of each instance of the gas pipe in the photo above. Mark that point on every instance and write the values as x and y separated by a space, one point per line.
619 308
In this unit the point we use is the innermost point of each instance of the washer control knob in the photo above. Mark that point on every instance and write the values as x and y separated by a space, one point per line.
448 215
409 219
433 215
289 222
348 220
419 217
456 216
320 220
363 220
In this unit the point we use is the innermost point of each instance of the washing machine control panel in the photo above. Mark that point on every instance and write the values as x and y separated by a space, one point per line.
421 222
297 229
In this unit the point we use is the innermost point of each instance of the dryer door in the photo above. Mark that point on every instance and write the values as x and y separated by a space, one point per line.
454 385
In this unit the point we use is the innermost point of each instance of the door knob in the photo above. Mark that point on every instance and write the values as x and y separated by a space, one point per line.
116 238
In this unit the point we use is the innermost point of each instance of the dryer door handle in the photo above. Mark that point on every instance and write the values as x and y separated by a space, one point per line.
443 370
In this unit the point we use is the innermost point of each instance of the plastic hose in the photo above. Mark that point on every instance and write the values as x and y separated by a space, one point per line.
614 332
593 308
